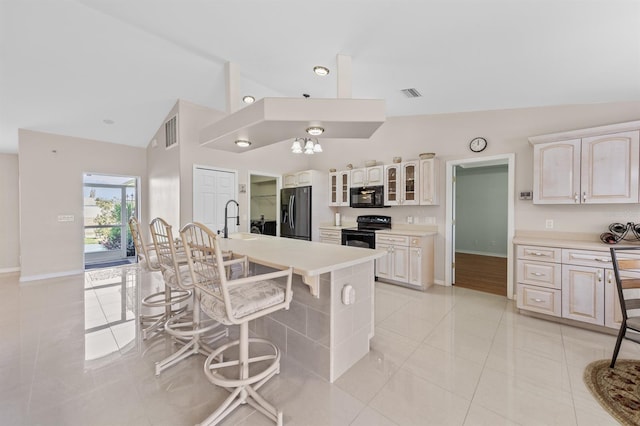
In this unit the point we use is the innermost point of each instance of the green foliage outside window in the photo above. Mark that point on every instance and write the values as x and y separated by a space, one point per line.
110 213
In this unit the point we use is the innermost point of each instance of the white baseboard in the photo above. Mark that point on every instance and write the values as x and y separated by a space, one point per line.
481 253
48 276
9 270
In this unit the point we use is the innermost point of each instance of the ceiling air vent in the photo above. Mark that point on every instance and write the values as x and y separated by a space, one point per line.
171 131
411 93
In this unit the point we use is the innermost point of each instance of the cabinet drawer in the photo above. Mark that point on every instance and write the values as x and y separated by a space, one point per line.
598 259
544 254
415 241
538 299
400 240
331 233
544 274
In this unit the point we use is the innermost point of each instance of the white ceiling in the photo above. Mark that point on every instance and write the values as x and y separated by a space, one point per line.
67 65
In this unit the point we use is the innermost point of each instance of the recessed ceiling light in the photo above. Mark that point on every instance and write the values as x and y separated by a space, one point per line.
248 99
320 70
315 131
243 143
108 121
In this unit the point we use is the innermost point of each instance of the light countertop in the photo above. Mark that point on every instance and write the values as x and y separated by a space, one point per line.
567 240
399 229
409 232
308 258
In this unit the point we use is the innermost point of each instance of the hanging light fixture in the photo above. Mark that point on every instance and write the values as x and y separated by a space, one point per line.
307 145
296 147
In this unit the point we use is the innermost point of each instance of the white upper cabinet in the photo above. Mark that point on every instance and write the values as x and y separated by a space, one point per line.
339 184
303 178
556 172
428 186
402 184
368 176
610 168
600 169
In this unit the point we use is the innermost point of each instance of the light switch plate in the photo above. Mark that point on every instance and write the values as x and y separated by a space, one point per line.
66 218
526 195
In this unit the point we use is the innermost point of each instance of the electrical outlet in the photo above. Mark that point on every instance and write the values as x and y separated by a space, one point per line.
409 219
548 224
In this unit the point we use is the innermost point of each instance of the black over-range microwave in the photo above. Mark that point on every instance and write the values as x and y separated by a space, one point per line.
367 196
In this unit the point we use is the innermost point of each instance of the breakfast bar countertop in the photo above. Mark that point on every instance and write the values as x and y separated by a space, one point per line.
308 258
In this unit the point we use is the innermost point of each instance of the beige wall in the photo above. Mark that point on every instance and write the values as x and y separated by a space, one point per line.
51 174
448 135
163 174
274 159
9 214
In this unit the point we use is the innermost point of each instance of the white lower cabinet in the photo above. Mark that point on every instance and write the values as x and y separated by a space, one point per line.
409 259
539 299
539 275
331 236
583 294
570 283
395 265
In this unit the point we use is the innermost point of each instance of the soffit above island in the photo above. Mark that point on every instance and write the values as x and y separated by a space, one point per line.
272 120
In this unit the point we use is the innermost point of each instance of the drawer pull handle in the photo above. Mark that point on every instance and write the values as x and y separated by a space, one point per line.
538 274
591 257
537 253
537 300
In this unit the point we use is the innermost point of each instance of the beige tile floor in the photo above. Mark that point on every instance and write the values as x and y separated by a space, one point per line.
71 354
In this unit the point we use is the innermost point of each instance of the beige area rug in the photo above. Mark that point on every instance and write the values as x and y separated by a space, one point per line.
616 389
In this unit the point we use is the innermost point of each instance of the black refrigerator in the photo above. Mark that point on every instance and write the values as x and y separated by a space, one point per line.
295 213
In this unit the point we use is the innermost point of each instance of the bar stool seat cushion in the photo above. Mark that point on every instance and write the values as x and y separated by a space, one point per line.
245 300
170 276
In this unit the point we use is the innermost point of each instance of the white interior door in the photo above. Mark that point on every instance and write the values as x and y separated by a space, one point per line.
211 191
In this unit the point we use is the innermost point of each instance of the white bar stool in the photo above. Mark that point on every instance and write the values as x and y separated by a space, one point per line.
165 299
236 302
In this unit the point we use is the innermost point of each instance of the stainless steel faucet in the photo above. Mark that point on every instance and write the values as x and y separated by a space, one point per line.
226 217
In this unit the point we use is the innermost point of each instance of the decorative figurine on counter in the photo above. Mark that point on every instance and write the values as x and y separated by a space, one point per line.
618 232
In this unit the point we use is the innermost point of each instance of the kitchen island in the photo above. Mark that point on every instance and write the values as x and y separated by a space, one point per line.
322 330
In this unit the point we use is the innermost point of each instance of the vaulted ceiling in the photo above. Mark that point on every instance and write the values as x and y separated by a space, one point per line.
67 66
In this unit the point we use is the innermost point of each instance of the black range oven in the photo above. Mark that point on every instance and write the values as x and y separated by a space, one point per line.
365 234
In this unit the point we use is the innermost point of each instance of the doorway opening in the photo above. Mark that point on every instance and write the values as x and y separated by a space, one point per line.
109 202
479 224
480 256
264 194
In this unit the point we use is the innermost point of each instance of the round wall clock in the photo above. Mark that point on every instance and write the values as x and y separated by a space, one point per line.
478 144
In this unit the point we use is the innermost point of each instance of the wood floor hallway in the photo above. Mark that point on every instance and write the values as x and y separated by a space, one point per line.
482 273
